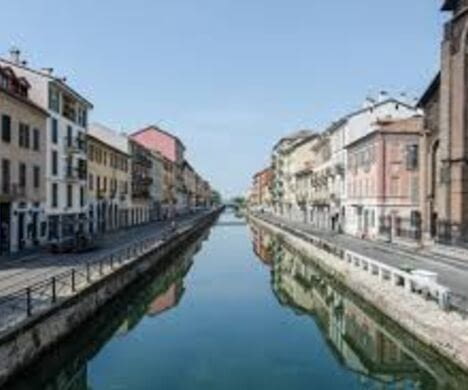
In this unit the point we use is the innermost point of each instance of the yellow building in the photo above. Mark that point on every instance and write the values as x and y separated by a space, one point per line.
108 179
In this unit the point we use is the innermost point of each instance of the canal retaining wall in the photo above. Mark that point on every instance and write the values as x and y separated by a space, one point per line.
24 343
446 332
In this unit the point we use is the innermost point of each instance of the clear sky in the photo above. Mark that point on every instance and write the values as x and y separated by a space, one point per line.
228 76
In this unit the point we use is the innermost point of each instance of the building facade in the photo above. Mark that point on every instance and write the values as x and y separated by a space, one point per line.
23 125
445 147
66 158
109 179
172 148
383 182
141 167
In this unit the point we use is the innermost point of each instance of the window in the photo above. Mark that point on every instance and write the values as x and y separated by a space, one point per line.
22 175
6 128
82 197
54 100
54 134
6 176
23 139
36 176
69 136
54 162
36 140
412 160
91 182
69 196
54 200
415 218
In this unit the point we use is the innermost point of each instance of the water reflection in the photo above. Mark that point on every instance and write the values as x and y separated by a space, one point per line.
372 347
66 367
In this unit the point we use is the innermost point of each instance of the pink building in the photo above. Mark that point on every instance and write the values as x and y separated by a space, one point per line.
383 182
160 140
172 148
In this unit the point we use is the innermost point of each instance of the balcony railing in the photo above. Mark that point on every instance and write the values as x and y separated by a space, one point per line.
75 145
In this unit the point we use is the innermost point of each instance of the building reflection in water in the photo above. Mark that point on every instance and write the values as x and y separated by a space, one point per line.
66 367
376 349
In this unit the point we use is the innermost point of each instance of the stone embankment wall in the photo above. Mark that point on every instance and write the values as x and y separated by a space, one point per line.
446 332
25 343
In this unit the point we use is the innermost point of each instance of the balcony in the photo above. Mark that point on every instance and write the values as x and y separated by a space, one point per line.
71 175
75 145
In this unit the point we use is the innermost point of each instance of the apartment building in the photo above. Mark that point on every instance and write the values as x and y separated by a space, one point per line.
284 169
65 149
23 125
157 186
141 167
383 181
172 148
359 125
189 185
109 179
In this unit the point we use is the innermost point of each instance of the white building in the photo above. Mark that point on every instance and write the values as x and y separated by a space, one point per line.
66 160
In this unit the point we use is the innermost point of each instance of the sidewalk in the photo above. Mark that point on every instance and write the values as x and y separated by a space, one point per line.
452 270
22 271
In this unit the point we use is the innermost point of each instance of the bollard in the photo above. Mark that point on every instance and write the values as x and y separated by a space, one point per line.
54 290
73 287
28 302
88 273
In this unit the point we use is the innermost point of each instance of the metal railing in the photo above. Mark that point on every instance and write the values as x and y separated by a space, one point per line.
38 297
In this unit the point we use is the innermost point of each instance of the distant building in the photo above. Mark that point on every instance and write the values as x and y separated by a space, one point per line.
172 148
23 134
141 167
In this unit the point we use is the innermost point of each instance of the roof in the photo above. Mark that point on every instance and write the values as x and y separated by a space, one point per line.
52 78
22 99
430 91
296 136
109 137
413 125
156 128
376 105
449 5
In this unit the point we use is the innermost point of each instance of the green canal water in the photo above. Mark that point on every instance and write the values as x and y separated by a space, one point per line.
238 309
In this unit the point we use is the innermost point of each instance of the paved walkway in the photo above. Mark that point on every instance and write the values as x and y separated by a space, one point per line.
452 270
21 272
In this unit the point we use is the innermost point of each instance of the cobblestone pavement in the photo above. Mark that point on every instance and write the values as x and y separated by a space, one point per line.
21 272
452 270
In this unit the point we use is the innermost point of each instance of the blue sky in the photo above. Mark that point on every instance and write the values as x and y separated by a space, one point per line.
228 76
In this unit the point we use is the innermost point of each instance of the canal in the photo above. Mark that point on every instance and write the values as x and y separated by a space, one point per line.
238 309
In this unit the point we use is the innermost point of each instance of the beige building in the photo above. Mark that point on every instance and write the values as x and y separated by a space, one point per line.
289 157
22 172
108 179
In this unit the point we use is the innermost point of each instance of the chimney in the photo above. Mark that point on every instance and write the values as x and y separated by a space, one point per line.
383 95
47 71
368 103
15 55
